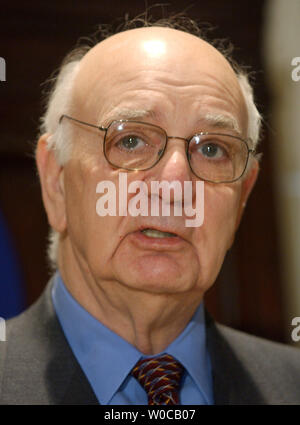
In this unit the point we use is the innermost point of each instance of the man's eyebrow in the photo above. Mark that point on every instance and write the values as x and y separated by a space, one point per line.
220 121
126 114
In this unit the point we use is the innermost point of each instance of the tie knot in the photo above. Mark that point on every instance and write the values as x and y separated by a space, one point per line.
160 377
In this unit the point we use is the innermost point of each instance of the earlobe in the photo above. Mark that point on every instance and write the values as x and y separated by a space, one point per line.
52 184
247 186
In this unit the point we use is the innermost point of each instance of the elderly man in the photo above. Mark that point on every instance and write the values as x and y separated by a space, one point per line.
122 321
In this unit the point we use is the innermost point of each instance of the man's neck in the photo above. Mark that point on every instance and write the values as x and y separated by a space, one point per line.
148 321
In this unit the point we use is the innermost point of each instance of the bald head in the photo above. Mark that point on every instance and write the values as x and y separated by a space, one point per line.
153 44
159 59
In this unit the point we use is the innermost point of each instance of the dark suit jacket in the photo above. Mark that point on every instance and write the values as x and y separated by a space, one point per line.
37 365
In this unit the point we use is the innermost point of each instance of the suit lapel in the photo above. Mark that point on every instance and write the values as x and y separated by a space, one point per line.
232 382
41 361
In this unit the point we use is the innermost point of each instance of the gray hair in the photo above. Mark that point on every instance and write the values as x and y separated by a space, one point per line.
58 101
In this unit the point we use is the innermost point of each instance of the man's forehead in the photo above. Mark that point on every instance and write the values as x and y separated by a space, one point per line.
127 56
150 46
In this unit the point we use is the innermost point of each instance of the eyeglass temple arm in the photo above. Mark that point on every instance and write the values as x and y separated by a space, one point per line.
82 122
250 142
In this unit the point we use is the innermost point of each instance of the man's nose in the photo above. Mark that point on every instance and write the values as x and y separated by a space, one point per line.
173 166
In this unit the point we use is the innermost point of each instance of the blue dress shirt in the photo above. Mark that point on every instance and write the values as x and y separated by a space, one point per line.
107 359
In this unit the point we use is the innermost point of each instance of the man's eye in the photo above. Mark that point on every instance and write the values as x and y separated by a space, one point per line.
212 150
131 143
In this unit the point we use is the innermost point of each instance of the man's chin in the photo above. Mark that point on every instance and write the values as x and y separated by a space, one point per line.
158 286
161 277
156 272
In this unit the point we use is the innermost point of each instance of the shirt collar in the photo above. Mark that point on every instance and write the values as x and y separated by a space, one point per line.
94 346
190 349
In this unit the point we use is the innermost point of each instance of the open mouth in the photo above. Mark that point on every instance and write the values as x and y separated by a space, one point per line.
153 233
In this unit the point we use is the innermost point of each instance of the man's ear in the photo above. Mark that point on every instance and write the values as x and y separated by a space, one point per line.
52 183
247 186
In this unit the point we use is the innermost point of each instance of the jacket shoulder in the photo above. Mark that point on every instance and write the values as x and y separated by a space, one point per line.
37 365
256 370
263 352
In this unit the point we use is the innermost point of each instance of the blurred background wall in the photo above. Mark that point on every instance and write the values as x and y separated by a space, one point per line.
257 290
281 57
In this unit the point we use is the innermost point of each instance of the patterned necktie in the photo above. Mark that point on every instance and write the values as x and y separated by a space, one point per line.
160 377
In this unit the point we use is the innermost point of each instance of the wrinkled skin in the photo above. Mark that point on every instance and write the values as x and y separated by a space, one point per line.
144 291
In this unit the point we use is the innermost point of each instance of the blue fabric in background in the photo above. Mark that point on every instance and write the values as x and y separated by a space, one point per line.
12 294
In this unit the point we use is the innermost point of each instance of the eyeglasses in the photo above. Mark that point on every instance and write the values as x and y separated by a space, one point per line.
135 145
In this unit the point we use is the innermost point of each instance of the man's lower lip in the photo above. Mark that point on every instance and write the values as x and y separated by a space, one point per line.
145 240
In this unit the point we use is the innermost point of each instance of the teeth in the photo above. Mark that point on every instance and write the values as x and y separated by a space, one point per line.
152 233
